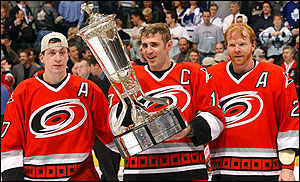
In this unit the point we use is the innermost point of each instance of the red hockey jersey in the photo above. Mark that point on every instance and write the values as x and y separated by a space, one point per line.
261 118
188 86
49 131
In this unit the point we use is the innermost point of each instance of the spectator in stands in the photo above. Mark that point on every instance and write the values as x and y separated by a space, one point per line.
219 48
73 56
125 37
290 65
73 38
157 13
195 56
255 11
184 46
275 38
6 50
179 7
25 69
84 71
22 34
4 38
240 19
33 57
75 69
208 61
96 69
71 12
214 19
290 14
206 35
148 16
193 14
6 5
86 53
22 5
47 21
192 17
4 19
264 21
135 41
234 8
125 8
177 31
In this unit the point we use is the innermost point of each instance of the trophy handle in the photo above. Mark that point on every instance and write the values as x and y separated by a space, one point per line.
163 101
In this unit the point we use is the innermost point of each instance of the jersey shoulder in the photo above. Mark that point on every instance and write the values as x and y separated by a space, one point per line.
218 68
271 68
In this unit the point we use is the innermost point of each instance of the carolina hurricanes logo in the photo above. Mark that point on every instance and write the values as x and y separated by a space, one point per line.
173 93
241 108
57 118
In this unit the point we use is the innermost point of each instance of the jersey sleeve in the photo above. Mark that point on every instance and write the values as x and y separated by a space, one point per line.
287 107
209 119
12 134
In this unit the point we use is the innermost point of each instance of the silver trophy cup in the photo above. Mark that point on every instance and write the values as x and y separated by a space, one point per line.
102 38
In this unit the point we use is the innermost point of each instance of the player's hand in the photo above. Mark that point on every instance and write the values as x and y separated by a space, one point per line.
130 84
181 134
287 175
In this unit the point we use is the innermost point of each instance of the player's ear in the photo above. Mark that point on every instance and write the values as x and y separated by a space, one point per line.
42 58
169 44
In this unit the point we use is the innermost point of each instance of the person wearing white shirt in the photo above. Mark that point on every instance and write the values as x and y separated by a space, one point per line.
135 40
192 17
275 38
214 19
177 31
234 8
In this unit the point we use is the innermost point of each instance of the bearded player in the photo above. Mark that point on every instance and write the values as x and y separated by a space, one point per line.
259 101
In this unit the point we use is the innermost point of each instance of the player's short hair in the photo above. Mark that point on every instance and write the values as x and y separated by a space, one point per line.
239 28
161 28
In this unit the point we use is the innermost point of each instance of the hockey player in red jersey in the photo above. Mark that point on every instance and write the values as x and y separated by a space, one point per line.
50 120
186 85
261 135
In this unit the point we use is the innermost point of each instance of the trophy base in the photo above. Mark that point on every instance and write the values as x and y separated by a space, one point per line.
144 136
